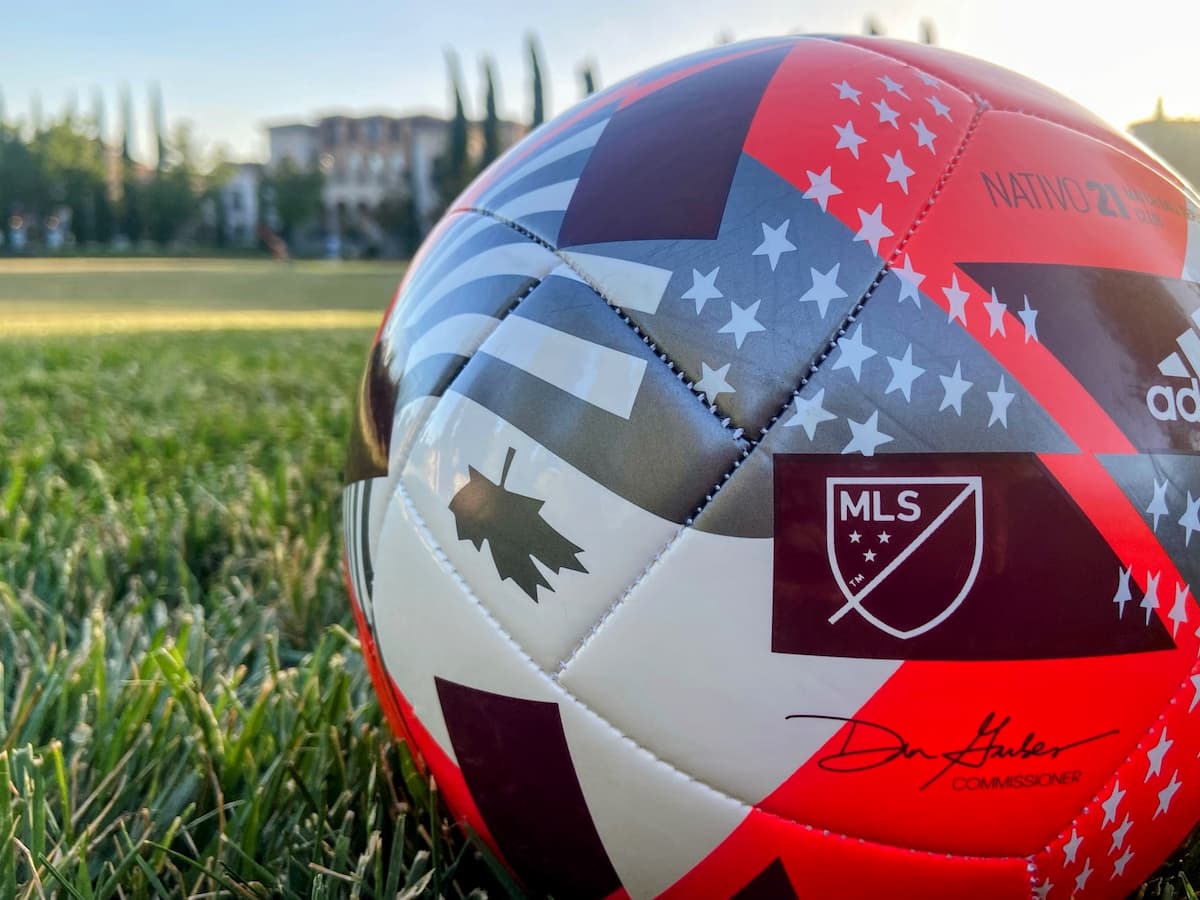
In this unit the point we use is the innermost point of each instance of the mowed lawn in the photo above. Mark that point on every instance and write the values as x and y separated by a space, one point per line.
183 707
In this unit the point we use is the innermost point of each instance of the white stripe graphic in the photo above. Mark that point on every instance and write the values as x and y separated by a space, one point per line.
1191 253
596 374
551 198
520 258
629 285
460 335
561 150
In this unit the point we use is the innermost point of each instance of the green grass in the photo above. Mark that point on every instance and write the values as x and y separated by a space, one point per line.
184 710
183 706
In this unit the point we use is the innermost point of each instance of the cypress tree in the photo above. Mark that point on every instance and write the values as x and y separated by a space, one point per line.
491 120
156 120
587 76
539 103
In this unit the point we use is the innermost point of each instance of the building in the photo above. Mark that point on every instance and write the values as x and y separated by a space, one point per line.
239 205
1177 141
368 160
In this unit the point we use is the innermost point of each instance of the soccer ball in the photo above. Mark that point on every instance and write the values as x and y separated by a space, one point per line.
777 476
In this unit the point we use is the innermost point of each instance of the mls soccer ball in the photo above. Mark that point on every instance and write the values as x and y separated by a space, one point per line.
776 477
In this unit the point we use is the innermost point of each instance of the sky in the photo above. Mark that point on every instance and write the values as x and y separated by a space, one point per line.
231 67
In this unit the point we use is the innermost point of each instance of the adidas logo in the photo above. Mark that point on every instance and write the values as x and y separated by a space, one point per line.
1169 403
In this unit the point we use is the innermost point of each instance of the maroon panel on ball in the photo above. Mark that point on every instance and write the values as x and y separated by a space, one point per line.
663 166
966 556
515 760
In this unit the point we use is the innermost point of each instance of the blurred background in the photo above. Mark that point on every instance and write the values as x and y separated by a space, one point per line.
342 130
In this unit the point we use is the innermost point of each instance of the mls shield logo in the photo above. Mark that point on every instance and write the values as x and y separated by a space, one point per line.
905 552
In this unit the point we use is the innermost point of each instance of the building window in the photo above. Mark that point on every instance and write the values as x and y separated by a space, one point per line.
235 201
372 130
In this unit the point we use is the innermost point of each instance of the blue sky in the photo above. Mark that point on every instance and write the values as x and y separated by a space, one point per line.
229 66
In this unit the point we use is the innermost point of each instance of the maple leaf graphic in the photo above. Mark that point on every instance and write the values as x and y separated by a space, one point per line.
514 529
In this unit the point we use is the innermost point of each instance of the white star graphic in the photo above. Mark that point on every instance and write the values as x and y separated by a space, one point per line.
853 353
775 243
886 113
1190 519
928 80
1167 794
1178 612
848 139
1118 835
898 172
846 92
872 229
821 187
1123 594
1029 320
741 322
712 382
1158 505
1071 847
996 311
894 87
1041 891
824 289
957 298
1150 598
939 108
925 137
910 282
866 436
1000 399
904 373
884 537
1110 805
869 556
703 289
954 386
1082 878
855 537
1120 863
809 414
1195 696
1155 755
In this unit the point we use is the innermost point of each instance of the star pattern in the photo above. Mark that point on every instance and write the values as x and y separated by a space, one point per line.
853 353
824 289
1118 835
996 311
866 436
712 382
1158 505
1196 694
957 298
1029 320
1042 891
1156 753
886 113
775 243
898 172
703 289
1081 879
846 92
821 187
904 373
939 108
1121 862
1190 520
872 229
848 138
1167 794
1123 594
810 413
954 386
1071 847
1000 400
1150 598
1110 805
893 87
925 137
910 282
1178 614
742 321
